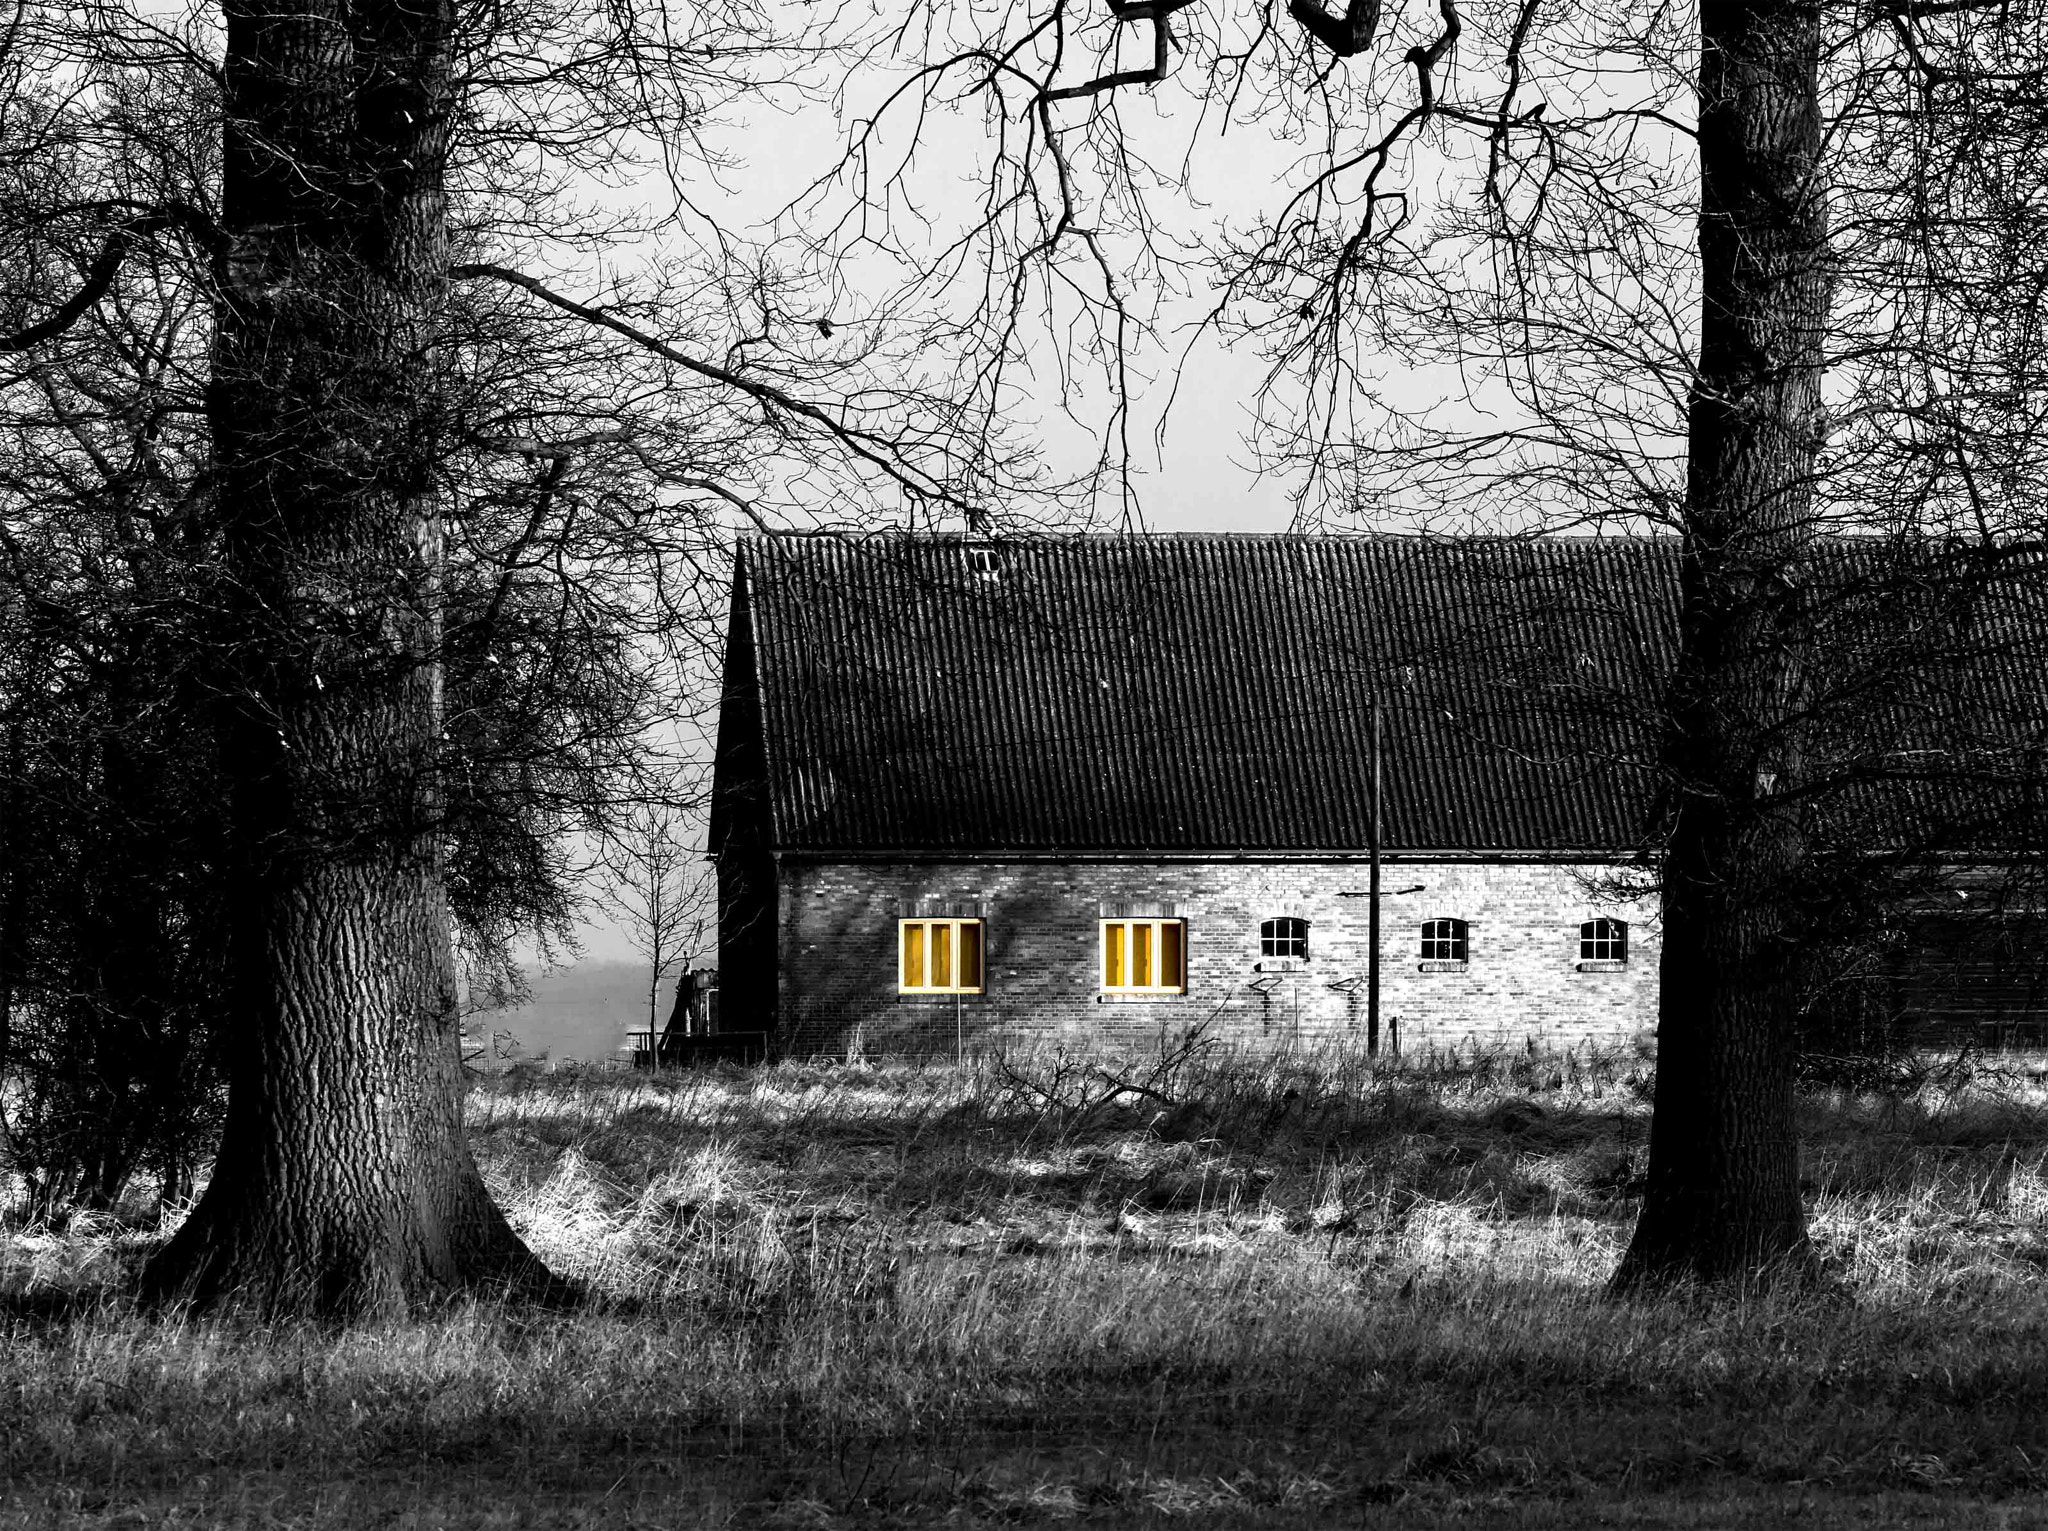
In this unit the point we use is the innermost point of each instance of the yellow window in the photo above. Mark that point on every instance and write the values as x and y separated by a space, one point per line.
970 955
913 954
938 956
1146 956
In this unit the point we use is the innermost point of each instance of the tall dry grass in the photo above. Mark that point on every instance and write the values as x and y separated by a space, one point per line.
1043 1286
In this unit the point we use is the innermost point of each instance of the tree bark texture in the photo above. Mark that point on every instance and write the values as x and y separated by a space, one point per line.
344 1186
1722 1202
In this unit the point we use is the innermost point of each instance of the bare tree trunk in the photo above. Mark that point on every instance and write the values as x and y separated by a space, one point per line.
13 901
1723 1198
343 1185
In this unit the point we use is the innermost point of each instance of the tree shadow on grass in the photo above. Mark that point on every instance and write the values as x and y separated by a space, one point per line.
1070 1136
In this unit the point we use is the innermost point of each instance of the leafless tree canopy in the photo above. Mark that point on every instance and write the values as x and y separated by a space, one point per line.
627 375
1460 236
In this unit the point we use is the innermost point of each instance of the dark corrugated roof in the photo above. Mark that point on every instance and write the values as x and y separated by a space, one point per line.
1208 693
1928 697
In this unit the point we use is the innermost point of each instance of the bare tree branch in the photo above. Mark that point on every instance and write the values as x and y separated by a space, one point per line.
874 448
1348 35
106 267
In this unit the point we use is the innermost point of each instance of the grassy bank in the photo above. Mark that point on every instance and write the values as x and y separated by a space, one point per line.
1196 1290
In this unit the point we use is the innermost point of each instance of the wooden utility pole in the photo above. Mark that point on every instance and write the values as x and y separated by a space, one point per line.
1372 919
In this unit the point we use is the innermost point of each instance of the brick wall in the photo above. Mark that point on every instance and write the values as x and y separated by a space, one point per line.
1523 980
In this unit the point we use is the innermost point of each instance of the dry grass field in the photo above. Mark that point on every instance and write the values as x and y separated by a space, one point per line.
1186 1290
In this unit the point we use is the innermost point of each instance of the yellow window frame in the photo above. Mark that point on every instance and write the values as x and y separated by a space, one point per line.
941 956
1143 956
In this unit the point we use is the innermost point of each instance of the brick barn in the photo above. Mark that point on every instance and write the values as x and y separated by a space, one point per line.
1098 789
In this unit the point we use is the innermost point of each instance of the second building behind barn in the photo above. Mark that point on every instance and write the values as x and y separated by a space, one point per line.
1097 790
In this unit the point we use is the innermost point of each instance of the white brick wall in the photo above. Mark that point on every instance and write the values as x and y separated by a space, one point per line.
1523 981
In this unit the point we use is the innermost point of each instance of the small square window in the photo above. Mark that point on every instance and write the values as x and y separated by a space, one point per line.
1603 940
1145 956
1445 941
939 956
1284 938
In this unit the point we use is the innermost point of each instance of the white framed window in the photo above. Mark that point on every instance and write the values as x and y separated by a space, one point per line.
1144 956
1284 938
939 956
1446 941
1603 940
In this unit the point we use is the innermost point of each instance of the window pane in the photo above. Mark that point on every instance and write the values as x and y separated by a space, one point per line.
970 954
913 955
1113 955
1603 940
942 955
1142 972
1443 941
1173 955
1286 936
